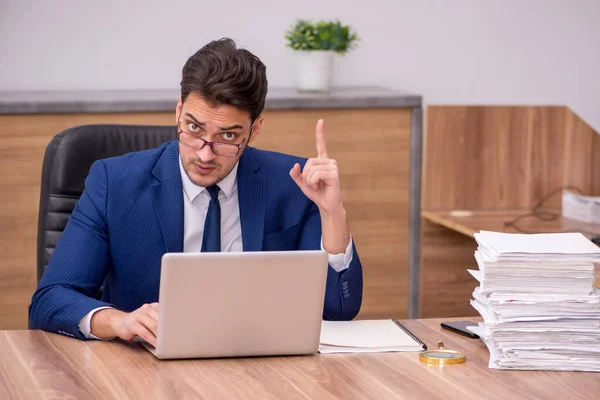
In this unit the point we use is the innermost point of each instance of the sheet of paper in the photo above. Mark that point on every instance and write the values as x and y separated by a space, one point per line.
537 244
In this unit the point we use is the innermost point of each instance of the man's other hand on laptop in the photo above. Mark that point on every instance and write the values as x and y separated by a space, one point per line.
143 322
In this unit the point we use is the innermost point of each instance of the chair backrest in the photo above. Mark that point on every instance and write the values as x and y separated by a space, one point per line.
67 162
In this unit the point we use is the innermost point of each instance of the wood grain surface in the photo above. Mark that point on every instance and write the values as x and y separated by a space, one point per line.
505 157
485 166
371 146
41 365
446 285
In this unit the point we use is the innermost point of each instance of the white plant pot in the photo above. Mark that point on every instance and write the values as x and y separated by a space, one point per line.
314 70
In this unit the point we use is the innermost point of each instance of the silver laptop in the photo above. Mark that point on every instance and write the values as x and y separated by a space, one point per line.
240 304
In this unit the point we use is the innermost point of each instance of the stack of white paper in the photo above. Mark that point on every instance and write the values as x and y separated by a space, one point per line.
537 298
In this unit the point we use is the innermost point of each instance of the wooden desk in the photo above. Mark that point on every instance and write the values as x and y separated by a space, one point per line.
477 221
449 252
35 364
497 162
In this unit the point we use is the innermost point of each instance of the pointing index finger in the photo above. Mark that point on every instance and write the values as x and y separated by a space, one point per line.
321 148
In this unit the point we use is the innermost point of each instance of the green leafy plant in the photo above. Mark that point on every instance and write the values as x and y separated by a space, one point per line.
322 35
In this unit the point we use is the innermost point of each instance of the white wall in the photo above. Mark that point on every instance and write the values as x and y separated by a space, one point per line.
451 52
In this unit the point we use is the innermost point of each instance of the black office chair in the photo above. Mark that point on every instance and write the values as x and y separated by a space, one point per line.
67 162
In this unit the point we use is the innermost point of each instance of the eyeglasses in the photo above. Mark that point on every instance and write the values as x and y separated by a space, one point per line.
196 142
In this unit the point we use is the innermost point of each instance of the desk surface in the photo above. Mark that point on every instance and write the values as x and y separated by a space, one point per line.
35 364
469 222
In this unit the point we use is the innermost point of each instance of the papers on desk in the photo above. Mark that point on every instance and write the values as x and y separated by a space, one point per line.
367 336
537 298
581 208
537 247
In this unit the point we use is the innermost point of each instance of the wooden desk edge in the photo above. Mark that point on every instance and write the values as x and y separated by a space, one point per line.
448 223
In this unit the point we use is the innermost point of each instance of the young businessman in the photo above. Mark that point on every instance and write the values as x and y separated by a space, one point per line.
207 191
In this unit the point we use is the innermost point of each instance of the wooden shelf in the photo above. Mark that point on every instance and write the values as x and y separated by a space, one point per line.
469 222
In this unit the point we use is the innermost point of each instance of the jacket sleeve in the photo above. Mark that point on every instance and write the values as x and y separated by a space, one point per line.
78 265
343 294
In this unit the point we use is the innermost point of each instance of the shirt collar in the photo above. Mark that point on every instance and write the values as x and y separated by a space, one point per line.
228 185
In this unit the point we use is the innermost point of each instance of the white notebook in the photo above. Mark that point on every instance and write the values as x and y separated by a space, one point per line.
367 336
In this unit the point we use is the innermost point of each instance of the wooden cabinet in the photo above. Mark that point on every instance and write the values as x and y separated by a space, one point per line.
372 145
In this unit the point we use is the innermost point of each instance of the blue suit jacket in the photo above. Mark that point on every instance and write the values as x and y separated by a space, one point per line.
131 213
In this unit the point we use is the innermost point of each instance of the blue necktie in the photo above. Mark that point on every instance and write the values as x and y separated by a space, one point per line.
211 239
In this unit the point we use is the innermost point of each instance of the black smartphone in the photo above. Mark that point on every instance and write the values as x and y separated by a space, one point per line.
460 327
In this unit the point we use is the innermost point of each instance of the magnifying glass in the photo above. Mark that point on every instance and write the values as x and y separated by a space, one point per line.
441 356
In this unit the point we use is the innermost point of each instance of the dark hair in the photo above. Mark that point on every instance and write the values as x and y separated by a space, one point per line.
225 75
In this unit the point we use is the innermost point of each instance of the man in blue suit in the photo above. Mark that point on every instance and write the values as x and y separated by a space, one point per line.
207 191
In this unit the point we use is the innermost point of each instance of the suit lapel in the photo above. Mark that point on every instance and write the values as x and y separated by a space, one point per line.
168 198
252 197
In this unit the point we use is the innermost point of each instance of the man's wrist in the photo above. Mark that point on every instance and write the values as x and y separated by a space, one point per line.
104 323
336 234
335 215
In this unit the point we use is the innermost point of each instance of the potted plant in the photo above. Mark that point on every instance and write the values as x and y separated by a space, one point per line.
315 45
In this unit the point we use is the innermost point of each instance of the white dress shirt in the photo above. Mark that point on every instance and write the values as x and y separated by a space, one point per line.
195 206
